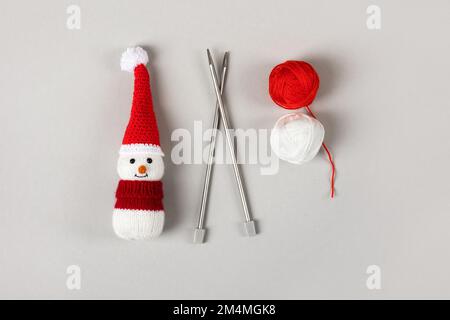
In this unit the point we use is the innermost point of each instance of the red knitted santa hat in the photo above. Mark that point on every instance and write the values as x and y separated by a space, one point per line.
141 135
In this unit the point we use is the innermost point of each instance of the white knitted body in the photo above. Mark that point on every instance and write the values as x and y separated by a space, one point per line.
137 224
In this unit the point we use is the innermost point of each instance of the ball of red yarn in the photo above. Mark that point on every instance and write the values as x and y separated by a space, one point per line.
293 84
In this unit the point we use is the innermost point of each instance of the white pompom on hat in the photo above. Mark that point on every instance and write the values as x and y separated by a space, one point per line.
133 57
297 137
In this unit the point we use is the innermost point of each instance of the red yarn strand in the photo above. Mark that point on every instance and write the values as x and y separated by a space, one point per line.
330 158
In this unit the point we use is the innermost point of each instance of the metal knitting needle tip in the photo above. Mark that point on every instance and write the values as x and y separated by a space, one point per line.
225 59
210 59
249 225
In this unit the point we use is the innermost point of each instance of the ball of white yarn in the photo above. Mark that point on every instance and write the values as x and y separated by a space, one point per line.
297 137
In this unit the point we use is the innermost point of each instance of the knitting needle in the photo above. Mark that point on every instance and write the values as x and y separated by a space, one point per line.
249 225
199 232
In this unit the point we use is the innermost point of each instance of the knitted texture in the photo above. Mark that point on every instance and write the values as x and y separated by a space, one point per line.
137 224
139 195
142 127
138 212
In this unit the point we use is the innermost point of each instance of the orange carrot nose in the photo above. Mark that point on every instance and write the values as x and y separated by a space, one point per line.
142 169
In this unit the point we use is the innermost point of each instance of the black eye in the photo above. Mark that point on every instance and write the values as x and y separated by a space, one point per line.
149 160
132 160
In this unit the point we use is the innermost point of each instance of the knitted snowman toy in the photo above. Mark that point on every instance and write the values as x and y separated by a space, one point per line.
138 211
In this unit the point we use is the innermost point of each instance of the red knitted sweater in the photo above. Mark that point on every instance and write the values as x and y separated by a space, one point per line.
139 195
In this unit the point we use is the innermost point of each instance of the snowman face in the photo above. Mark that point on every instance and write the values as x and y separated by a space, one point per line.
148 167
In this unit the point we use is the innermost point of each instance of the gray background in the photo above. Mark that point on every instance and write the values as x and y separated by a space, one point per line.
64 104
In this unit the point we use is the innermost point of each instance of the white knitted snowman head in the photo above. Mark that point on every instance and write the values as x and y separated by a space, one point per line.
297 137
137 166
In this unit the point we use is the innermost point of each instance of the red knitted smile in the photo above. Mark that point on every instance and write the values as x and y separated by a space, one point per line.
146 175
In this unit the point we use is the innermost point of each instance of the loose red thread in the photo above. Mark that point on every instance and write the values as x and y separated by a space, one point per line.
330 158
